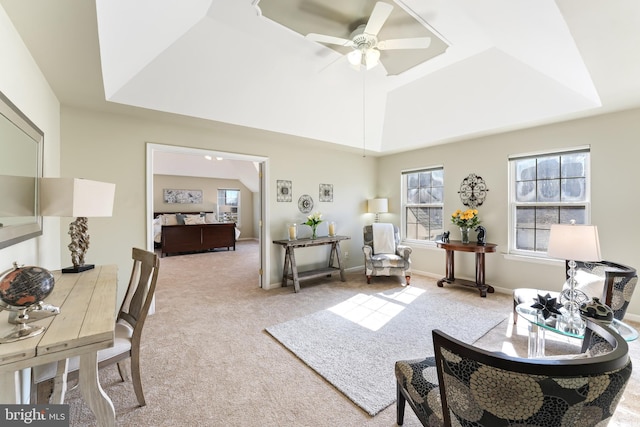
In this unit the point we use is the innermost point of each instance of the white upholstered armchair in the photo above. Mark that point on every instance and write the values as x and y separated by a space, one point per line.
383 253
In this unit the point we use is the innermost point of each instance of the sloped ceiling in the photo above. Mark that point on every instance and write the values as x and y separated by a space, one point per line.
510 64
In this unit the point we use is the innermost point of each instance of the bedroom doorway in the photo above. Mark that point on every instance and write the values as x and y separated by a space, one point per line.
247 169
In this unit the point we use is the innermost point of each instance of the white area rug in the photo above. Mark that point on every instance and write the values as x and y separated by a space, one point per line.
354 345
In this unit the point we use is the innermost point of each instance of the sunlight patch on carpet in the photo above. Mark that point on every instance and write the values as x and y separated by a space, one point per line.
375 311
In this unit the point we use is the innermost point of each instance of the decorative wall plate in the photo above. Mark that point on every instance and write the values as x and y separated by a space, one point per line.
305 203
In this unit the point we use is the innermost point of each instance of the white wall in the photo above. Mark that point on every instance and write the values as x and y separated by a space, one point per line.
615 205
23 83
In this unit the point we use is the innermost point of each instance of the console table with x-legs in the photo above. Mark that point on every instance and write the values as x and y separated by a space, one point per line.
290 259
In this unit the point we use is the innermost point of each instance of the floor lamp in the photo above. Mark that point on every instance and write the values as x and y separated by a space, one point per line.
574 243
80 198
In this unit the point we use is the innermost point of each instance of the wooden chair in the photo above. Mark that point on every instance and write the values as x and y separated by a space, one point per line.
128 332
466 385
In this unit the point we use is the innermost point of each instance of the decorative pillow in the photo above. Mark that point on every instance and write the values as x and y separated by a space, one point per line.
180 218
169 219
210 218
193 219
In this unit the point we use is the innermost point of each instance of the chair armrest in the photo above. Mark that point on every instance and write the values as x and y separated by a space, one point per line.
368 251
403 251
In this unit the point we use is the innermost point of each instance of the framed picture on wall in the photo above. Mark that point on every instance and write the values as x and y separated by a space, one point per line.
182 196
284 191
326 193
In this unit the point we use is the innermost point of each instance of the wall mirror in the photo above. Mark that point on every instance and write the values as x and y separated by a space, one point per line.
20 171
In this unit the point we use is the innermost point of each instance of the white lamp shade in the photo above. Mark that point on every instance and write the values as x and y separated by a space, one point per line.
574 242
75 197
378 206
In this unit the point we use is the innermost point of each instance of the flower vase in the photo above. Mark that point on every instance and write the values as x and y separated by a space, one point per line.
464 233
314 234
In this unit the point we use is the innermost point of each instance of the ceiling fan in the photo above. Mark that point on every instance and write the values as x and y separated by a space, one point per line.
364 39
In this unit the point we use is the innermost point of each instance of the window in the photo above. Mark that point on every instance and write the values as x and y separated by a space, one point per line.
549 188
229 205
423 195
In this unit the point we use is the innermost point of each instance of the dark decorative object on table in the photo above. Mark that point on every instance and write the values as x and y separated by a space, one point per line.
445 237
482 235
596 310
547 305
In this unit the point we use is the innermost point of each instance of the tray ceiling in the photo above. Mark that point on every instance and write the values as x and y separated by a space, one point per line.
509 64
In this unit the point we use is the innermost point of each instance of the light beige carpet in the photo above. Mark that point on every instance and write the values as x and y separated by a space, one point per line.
207 361
354 345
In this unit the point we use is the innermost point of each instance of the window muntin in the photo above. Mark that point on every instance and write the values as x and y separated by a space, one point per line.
552 188
423 195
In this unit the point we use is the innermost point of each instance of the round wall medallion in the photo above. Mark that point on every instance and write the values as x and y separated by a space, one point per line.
305 203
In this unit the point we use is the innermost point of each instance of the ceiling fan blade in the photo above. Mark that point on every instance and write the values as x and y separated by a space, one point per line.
381 12
414 43
322 38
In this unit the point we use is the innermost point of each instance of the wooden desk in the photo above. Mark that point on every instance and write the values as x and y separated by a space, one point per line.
290 259
85 325
479 250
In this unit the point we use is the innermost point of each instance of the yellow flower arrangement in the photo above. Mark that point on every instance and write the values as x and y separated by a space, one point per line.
466 219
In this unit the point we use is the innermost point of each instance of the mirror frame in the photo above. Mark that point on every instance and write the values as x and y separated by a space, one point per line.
12 234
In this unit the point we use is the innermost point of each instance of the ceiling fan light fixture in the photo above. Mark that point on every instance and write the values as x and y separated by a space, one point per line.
371 58
355 57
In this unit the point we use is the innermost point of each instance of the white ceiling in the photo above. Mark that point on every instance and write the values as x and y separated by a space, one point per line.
510 64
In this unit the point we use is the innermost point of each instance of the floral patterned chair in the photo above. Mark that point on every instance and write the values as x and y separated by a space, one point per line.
611 282
467 386
395 261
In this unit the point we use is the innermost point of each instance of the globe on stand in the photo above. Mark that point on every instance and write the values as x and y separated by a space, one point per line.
22 290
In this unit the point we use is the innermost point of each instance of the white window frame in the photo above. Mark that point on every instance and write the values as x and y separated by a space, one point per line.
513 204
405 205
221 199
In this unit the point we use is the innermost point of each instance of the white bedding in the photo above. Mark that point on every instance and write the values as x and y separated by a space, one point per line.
157 230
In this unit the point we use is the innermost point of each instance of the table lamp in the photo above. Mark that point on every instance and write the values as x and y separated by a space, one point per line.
574 242
378 206
80 198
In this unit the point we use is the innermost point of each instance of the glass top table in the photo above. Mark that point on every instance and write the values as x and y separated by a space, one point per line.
557 324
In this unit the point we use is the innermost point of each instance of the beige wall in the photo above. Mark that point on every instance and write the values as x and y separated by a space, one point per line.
22 82
112 148
209 187
614 161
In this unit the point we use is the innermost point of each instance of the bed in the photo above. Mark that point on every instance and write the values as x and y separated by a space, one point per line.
176 232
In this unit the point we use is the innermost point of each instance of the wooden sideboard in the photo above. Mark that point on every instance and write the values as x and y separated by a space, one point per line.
197 237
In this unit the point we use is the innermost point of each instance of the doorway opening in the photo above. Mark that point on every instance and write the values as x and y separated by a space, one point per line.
240 161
